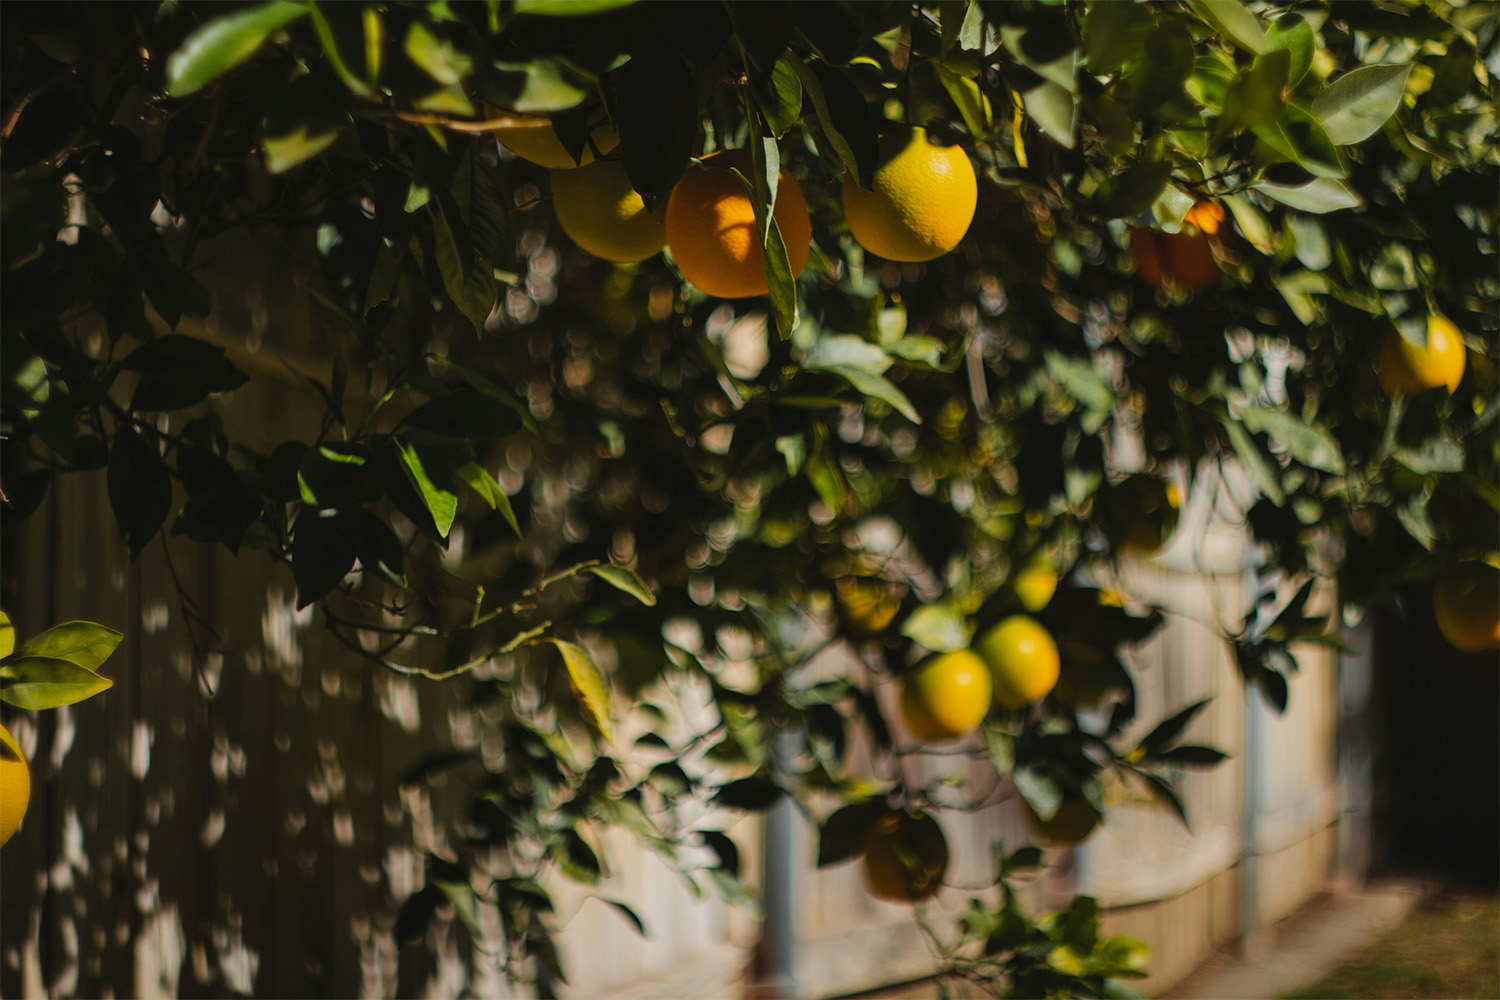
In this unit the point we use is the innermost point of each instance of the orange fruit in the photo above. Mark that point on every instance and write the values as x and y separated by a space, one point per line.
1186 258
711 226
946 696
603 214
1404 368
905 857
1074 820
532 137
1466 602
1142 513
15 785
921 201
1022 660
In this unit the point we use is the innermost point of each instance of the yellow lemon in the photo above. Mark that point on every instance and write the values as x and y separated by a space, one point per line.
1466 602
921 201
1022 659
946 696
604 215
532 137
1405 368
15 785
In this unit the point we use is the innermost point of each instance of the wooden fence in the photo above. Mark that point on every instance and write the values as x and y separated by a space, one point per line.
256 841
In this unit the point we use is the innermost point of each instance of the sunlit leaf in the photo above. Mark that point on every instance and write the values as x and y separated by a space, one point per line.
595 697
41 682
223 43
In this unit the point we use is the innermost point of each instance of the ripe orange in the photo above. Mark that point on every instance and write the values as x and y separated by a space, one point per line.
711 227
866 606
15 785
1466 602
1186 258
532 137
1075 819
602 213
1404 368
905 857
1022 659
946 696
1142 513
921 202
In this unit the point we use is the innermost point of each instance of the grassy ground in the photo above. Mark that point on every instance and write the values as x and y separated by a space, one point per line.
1448 948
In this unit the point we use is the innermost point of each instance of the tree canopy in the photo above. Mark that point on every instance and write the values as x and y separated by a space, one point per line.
592 487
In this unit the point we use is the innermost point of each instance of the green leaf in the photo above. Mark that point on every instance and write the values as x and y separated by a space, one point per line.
1319 196
844 117
1113 33
1053 108
548 85
939 627
781 283
481 482
441 502
7 636
1355 106
861 364
223 43
41 682
1299 137
627 581
139 487
461 896
1294 33
568 8
780 100
972 103
576 859
1133 190
1041 793
596 700
1257 96
283 152
1233 19
1001 747
1310 444
1262 474
436 56
84 643
1079 379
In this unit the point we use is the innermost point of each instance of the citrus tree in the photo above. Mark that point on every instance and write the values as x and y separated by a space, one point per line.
675 343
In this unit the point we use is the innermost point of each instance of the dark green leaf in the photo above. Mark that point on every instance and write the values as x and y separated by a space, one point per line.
1113 33
336 474
576 859
630 915
465 414
178 371
324 547
1170 729
140 488
843 833
751 794
843 116
728 853
1190 755
1299 137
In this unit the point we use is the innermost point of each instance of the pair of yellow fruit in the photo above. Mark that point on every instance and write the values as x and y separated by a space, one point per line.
1012 665
919 207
